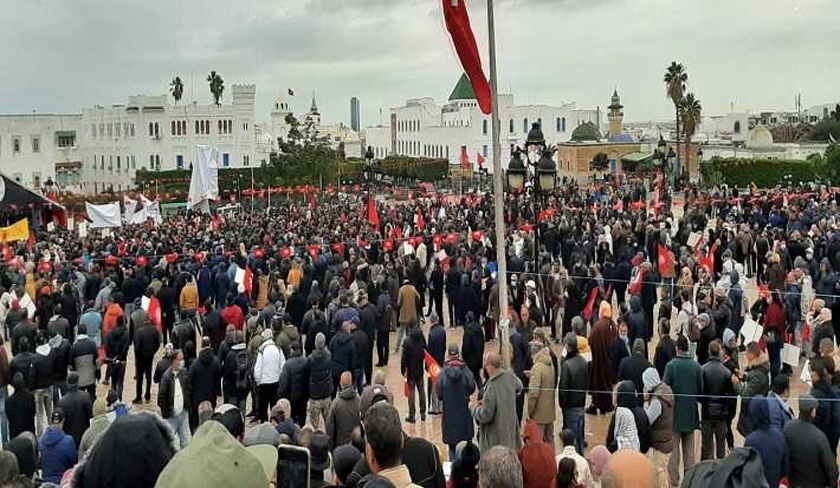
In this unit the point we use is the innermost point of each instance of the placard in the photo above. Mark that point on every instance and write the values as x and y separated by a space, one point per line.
50 226
694 239
751 331
82 229
790 355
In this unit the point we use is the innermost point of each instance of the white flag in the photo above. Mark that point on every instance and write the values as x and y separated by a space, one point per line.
107 215
130 208
204 182
82 229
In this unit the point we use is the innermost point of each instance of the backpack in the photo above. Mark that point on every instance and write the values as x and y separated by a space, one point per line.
242 371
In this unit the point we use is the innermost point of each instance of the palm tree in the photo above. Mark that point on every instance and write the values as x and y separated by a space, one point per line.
176 88
675 78
690 110
217 86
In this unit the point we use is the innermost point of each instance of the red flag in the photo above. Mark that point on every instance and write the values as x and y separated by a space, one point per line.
431 366
590 303
248 280
465 160
373 216
7 253
313 250
480 160
665 261
458 25
635 287
313 204
419 221
154 313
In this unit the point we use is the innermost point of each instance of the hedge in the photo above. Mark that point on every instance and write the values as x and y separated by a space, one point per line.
764 173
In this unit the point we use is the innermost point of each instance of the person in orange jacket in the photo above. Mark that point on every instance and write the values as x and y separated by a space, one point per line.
113 311
188 301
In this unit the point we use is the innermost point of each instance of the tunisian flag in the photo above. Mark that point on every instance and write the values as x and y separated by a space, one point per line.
419 221
373 216
665 261
458 25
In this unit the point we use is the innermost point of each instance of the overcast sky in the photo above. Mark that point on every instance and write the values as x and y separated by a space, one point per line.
61 56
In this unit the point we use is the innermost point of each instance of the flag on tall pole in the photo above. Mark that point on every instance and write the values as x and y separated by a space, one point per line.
458 24
373 216
479 159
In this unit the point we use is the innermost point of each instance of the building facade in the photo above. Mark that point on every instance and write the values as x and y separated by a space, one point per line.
338 136
103 147
457 130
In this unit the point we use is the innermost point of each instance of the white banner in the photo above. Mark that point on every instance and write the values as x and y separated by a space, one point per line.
204 182
130 208
104 216
82 229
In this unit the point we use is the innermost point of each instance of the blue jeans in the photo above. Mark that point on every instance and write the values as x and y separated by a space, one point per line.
4 421
574 419
181 426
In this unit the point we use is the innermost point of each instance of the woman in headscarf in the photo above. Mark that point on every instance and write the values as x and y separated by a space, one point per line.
601 379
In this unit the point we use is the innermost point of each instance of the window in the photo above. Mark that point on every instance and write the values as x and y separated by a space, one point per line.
36 144
157 130
110 130
16 145
94 162
101 130
484 127
220 127
207 127
558 127
151 129
484 151
512 149
563 121
93 130
539 121
151 161
102 163
133 163
737 128
246 160
225 160
66 140
110 163
117 128
525 125
510 128
132 130
119 164
174 129
157 161
179 161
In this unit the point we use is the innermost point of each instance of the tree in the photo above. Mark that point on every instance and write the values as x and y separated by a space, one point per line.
176 88
691 111
831 163
835 114
675 79
792 133
217 86
826 130
600 162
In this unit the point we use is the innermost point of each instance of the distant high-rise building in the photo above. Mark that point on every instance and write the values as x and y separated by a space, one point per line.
355 121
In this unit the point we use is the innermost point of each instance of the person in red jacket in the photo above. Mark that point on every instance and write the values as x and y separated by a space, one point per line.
537 458
232 315
775 327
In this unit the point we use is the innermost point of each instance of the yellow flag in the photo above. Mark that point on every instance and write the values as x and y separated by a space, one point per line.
19 231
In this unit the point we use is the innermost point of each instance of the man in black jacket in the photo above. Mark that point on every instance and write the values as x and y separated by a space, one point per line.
666 349
574 381
116 347
362 358
77 407
212 326
319 371
368 315
24 328
385 312
411 367
205 379
294 384
146 344
174 399
24 362
84 360
343 352
714 407
812 462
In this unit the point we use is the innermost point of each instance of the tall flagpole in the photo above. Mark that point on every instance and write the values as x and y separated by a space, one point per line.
498 196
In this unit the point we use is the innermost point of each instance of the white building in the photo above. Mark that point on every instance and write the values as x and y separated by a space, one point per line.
759 144
102 147
339 136
425 128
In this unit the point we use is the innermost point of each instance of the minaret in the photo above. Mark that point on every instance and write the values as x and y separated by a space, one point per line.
616 116
314 115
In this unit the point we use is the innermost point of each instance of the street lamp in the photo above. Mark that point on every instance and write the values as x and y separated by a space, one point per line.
516 171
547 172
535 143
368 173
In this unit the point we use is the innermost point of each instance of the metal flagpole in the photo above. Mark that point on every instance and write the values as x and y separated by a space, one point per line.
498 197
252 190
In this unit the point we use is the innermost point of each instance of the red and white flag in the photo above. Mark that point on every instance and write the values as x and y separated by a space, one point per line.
458 24
479 159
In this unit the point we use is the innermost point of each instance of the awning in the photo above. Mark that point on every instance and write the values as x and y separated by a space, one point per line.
637 157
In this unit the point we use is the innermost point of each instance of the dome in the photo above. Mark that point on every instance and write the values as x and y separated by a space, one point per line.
281 105
759 138
586 132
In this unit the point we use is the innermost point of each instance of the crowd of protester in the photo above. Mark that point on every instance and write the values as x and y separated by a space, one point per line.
271 330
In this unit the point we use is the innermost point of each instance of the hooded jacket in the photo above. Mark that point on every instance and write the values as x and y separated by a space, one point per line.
146 340
343 352
84 360
205 378
58 453
109 321
344 417
294 383
454 387
131 453
537 459
78 410
812 462
741 468
769 441
117 343
636 320
319 370
269 363
626 399
541 405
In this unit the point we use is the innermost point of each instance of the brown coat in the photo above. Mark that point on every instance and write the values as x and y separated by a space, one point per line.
407 304
662 429
262 292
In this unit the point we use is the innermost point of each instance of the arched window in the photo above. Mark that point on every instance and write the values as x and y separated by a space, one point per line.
157 129
207 125
196 127
737 128
510 128
119 164
563 123
151 129
174 130
525 125
484 127
157 161
220 127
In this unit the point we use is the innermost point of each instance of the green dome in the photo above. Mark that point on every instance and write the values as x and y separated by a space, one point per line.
586 132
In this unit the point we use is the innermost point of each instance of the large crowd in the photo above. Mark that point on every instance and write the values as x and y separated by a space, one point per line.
268 334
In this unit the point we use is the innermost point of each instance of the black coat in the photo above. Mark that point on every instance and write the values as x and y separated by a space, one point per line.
472 347
343 352
78 410
146 341
26 329
413 355
117 343
666 350
574 381
24 363
319 370
812 462
363 348
294 381
213 328
20 410
166 391
70 310
314 329
631 369
717 385
205 378
368 318
455 385
618 351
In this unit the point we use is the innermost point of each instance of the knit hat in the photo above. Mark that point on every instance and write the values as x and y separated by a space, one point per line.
807 403
650 378
344 460
639 347
728 334
99 407
213 458
320 341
